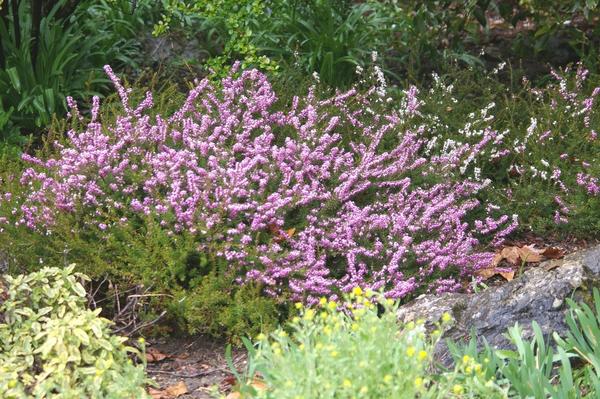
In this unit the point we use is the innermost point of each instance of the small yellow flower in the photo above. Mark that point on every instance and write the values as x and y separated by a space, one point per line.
309 314
347 383
410 351
422 355
354 327
299 305
457 389
333 354
295 319
332 305
301 347
418 382
261 337
357 291
469 370
387 378
364 390
322 301
410 325
389 302
323 315
327 330
277 351
282 334
13 383
446 318
466 359
141 340
478 368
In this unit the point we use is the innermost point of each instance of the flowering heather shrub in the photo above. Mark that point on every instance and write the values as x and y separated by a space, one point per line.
561 146
543 163
312 199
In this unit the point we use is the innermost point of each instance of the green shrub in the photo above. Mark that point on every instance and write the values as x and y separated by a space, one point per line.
217 306
52 346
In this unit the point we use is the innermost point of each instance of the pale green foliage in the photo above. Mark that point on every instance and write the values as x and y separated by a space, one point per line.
52 346
236 18
347 351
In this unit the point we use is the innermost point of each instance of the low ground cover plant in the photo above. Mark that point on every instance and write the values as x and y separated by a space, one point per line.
350 349
356 348
52 346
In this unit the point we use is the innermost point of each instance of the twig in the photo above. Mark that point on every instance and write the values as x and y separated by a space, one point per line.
195 375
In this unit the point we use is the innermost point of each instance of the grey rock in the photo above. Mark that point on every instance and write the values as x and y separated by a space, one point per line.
539 294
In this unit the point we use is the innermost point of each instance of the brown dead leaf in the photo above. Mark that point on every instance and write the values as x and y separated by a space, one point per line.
490 272
171 392
280 235
154 355
256 383
511 254
259 385
529 254
517 256
553 253
508 276
487 273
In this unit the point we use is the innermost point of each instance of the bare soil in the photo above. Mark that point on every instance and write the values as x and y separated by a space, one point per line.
199 362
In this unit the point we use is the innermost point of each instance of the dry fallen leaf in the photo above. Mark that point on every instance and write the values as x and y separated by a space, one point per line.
154 355
490 272
553 253
517 256
529 254
256 383
508 276
171 392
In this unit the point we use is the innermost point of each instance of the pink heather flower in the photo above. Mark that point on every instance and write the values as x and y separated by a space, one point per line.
230 168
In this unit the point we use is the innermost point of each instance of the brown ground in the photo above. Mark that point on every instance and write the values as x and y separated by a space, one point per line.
199 362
